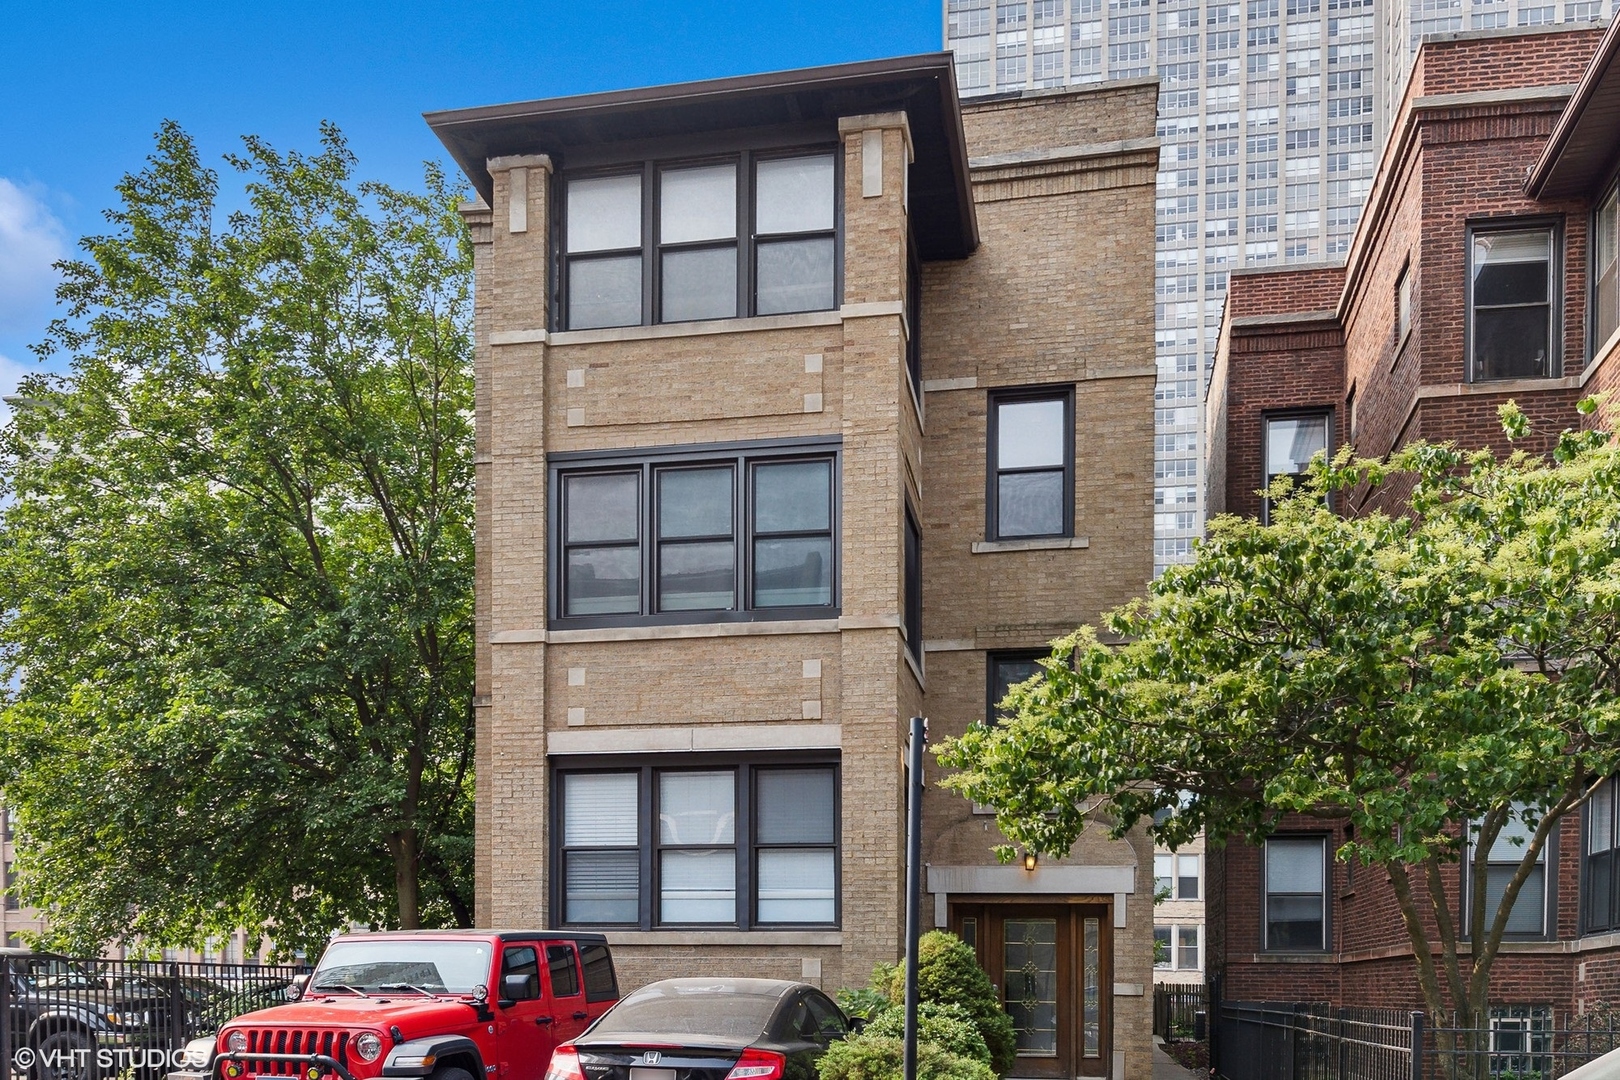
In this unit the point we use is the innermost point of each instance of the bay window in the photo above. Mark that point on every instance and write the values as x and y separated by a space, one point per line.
721 534
747 234
723 843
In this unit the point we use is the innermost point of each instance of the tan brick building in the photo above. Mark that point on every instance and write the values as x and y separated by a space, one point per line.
807 402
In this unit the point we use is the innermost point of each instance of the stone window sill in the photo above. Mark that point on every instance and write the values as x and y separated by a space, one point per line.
1056 543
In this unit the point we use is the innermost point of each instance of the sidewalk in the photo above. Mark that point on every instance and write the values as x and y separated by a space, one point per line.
1165 1067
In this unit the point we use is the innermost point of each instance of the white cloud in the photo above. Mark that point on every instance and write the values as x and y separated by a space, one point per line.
31 239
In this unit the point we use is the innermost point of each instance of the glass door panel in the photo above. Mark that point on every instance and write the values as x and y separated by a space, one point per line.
1030 990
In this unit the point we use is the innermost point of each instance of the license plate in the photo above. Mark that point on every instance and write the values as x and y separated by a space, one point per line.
651 1074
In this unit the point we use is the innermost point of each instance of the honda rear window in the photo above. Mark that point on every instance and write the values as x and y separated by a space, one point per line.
690 1010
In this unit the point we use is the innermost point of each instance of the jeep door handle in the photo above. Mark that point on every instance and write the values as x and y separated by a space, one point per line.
581 1015
543 1020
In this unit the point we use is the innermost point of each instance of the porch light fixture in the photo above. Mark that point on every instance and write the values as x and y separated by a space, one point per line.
1029 860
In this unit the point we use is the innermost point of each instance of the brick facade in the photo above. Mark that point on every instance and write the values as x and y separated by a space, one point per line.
1058 291
1478 111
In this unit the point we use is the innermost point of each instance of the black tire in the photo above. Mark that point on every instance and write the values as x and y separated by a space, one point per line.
450 1072
65 1054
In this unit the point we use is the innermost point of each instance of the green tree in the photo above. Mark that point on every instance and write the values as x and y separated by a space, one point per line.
236 561
1425 677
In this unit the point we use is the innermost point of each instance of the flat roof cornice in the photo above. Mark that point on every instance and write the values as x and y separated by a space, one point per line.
924 86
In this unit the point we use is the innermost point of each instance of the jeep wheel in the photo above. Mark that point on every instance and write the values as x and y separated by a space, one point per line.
450 1072
67 1054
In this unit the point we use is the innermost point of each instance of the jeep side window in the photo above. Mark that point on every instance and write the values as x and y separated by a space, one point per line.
600 983
564 968
521 960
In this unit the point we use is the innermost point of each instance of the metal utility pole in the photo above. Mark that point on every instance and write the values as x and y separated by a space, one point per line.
914 803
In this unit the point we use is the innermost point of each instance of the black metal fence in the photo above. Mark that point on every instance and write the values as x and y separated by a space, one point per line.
1176 1008
91 1019
1299 1041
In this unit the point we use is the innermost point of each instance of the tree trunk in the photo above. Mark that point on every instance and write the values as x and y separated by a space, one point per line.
407 880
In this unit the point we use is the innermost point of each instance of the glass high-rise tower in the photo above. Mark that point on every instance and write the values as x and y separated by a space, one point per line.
1271 115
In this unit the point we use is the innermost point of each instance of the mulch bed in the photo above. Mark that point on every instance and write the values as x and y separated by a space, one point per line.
1190 1055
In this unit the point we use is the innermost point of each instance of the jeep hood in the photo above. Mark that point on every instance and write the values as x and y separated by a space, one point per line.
414 1016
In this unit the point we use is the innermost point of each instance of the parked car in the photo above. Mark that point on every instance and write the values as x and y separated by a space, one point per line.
76 1023
707 1029
447 1005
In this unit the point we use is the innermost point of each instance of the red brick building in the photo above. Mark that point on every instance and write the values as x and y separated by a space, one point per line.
1484 269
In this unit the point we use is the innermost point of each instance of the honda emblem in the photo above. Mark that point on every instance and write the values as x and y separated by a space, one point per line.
651 1057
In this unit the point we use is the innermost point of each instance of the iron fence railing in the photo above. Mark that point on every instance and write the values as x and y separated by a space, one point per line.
1307 1041
1176 1008
1519 1042
91 1019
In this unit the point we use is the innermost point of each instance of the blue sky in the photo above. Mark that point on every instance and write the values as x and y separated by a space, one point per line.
85 85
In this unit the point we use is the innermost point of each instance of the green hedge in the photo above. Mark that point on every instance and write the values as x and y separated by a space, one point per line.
960 1020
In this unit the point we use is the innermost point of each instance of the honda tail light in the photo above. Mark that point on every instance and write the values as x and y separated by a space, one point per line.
565 1064
756 1065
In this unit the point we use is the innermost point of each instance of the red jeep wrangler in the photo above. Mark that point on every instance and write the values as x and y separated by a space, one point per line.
451 1005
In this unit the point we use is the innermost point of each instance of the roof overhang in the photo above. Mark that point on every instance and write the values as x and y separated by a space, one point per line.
923 86
1584 145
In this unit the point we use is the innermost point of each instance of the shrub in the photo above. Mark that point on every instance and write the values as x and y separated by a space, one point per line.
874 1057
865 1003
949 974
949 1027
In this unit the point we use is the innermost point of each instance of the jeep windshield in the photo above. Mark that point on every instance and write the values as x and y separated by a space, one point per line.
439 967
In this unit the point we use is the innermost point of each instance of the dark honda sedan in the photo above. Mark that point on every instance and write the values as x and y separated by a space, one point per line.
706 1029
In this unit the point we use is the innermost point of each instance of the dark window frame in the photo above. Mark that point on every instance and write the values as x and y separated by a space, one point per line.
1554 226
991 659
1265 446
659 846
992 503
747 241
913 585
742 458
1593 922
1327 893
747 845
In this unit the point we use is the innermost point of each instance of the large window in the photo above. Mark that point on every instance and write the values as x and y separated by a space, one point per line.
1296 896
729 534
1291 442
745 235
1606 269
729 844
1601 866
1511 292
1529 915
1031 443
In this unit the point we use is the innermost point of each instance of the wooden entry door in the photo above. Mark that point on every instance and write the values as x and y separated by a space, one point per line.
1051 963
